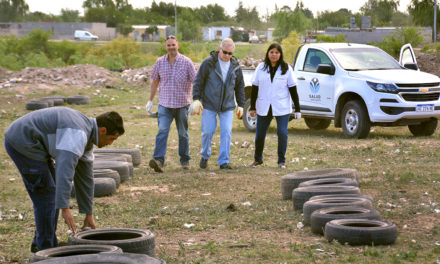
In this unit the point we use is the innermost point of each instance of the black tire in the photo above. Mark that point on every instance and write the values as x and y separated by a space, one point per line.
354 120
135 153
322 216
78 99
361 232
330 182
66 251
317 123
312 205
424 129
123 168
108 173
302 194
35 105
114 156
327 196
50 102
56 97
109 162
128 239
124 258
104 187
249 122
292 180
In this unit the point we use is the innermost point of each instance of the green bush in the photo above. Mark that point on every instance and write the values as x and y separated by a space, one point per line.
393 43
337 38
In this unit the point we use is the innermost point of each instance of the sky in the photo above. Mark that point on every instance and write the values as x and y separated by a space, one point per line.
263 6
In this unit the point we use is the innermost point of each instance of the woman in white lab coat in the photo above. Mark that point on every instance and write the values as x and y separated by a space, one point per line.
273 89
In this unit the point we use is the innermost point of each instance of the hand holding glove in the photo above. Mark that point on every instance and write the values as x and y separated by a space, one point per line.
239 112
196 107
148 106
297 115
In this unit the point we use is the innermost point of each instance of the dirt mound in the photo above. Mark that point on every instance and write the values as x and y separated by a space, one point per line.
429 63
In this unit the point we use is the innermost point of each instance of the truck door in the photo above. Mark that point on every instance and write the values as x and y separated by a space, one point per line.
315 90
407 58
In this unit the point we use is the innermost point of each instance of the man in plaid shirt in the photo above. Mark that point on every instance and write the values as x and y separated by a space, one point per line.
173 74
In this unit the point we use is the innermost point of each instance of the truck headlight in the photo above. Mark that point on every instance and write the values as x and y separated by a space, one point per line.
383 87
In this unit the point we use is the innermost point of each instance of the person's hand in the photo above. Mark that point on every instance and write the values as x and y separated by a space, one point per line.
197 107
89 221
148 106
239 112
68 219
253 113
297 115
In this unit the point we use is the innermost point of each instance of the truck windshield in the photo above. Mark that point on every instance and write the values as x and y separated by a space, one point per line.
361 59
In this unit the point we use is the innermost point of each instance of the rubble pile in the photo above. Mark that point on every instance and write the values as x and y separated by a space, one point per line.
249 63
429 63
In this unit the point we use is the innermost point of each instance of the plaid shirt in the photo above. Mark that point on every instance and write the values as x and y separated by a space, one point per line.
175 88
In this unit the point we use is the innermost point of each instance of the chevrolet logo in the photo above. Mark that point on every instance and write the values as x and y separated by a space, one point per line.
424 90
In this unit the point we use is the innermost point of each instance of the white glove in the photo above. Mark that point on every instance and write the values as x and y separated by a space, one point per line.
239 112
148 106
297 115
196 107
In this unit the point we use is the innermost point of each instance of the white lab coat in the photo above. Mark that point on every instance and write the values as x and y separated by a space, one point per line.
276 93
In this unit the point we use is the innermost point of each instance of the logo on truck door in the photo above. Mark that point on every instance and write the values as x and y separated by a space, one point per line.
314 85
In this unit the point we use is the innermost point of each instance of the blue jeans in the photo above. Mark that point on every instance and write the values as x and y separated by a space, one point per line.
39 180
164 119
263 123
209 125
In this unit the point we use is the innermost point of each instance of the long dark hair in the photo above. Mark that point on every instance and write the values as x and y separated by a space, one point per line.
281 62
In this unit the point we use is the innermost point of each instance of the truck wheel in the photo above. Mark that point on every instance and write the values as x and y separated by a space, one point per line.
317 123
355 122
249 122
424 129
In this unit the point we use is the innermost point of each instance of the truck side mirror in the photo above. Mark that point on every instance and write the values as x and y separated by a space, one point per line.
411 66
326 69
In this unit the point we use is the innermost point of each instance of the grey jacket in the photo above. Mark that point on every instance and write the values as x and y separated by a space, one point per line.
67 136
210 89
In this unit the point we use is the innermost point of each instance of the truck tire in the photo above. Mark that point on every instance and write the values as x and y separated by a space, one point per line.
128 239
320 217
66 251
134 152
102 187
108 173
329 196
302 194
354 120
249 122
312 205
292 180
108 258
317 123
330 182
35 105
361 232
122 167
78 99
424 129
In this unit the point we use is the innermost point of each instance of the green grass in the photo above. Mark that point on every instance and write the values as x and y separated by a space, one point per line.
401 172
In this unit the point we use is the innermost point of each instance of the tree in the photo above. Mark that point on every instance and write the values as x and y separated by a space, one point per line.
189 25
12 10
68 15
422 12
247 17
112 12
212 13
290 21
380 11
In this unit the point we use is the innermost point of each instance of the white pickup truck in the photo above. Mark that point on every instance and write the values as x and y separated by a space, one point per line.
359 86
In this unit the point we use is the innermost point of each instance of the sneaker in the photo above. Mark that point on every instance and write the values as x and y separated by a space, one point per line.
156 165
185 166
203 163
281 165
225 166
256 163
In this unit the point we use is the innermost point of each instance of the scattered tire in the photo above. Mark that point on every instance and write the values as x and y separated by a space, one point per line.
66 251
35 105
108 173
78 99
322 216
50 102
302 194
330 182
114 156
325 196
135 153
312 205
424 129
108 258
123 168
56 97
128 164
361 232
102 187
292 180
317 123
129 240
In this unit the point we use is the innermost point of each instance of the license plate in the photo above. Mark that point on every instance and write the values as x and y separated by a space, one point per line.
425 108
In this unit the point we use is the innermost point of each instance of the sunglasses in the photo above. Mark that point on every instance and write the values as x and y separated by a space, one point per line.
227 52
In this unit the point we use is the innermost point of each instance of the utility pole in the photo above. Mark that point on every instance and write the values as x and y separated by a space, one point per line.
175 16
435 21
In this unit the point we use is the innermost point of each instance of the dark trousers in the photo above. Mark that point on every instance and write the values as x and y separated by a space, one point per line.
39 180
263 123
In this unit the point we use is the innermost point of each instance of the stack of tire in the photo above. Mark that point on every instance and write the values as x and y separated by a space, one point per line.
56 100
107 245
333 206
